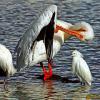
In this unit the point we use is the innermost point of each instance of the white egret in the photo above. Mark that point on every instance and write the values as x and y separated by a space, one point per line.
6 64
44 38
80 68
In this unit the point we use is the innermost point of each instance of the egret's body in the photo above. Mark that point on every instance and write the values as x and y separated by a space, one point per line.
6 64
80 68
44 39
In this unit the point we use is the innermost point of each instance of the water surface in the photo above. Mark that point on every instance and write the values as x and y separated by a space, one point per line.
15 18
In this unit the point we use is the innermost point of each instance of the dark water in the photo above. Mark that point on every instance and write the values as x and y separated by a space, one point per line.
15 18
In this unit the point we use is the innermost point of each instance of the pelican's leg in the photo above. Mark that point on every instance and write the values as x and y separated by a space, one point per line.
47 73
43 68
44 71
50 68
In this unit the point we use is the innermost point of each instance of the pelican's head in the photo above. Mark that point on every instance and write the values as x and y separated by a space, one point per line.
76 53
85 29
82 30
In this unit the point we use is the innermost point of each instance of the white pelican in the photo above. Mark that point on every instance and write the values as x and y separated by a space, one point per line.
6 64
80 68
44 38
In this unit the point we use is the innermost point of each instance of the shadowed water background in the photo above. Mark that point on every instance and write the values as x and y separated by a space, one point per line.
15 18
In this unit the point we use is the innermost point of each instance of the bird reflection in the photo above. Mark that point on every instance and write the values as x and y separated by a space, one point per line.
49 89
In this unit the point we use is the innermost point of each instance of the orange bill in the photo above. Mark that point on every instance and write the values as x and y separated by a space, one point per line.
69 31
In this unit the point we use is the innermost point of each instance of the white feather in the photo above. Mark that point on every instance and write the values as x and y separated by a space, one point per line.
39 52
64 24
26 42
80 68
6 60
88 33
29 57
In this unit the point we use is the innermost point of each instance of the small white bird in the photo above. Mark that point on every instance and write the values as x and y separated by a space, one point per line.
80 68
6 64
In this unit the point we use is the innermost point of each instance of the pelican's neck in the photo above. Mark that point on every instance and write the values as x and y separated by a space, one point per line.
59 36
64 36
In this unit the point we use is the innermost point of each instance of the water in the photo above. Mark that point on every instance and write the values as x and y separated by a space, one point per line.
15 18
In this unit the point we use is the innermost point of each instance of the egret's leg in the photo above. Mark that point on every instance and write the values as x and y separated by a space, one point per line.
5 81
82 83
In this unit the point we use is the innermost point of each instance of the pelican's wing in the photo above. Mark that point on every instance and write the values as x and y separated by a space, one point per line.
35 32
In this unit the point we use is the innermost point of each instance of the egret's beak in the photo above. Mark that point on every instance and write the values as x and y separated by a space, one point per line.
71 32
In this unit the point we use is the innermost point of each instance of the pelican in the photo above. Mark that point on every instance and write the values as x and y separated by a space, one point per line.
44 38
80 68
6 64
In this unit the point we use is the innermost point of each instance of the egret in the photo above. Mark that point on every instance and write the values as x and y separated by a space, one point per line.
6 64
44 38
80 68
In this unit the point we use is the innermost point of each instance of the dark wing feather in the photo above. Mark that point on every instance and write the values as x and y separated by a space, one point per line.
49 38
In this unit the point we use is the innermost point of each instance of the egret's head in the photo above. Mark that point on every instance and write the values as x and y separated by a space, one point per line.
85 29
76 53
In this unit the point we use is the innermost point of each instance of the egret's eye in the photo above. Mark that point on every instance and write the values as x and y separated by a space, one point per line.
74 53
